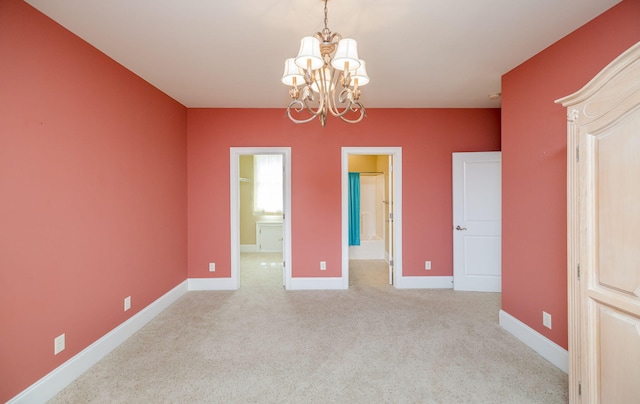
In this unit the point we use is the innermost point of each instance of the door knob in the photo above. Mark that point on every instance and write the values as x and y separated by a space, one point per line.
460 228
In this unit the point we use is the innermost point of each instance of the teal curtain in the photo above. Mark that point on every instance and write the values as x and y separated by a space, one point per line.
354 208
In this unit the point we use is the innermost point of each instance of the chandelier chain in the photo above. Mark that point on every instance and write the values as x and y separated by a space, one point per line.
326 12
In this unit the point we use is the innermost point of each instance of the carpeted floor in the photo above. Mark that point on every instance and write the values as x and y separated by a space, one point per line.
370 344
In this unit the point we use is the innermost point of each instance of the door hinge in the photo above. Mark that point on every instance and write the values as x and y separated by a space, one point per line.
578 271
391 263
391 216
579 389
284 264
577 153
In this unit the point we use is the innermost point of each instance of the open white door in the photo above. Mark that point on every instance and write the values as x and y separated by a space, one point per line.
389 218
477 212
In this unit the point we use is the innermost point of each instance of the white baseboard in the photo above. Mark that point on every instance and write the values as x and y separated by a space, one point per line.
548 349
59 378
316 284
51 384
212 284
249 248
424 282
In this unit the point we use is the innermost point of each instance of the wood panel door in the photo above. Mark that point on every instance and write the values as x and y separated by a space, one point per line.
604 234
477 221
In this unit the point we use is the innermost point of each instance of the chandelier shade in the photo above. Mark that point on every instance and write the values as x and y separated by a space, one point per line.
292 75
360 74
346 57
325 78
309 53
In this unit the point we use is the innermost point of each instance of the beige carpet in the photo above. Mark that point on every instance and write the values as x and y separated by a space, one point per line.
370 344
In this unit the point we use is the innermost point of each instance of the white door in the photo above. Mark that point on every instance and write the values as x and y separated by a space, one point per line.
477 213
389 218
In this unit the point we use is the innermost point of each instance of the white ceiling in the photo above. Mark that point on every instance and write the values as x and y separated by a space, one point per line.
419 53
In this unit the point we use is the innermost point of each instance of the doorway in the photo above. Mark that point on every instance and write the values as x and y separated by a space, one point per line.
260 234
377 172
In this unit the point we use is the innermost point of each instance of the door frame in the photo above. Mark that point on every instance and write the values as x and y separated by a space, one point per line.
396 178
234 161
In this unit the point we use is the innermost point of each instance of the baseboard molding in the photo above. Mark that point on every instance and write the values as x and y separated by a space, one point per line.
548 349
316 284
211 284
59 378
424 282
51 384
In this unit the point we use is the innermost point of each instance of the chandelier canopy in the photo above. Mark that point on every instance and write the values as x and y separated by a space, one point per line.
325 78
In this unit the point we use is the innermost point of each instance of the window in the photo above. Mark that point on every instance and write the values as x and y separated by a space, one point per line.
267 191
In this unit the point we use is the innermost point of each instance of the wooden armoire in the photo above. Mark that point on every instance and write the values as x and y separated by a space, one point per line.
603 164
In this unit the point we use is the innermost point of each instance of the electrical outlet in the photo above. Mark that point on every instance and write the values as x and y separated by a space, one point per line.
427 265
212 267
58 344
323 265
546 319
127 303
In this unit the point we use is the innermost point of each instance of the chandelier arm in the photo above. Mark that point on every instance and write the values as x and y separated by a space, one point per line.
319 108
356 107
352 105
298 106
332 104
302 104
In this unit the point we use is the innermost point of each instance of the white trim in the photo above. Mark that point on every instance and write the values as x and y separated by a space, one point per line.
54 382
249 248
317 284
548 349
396 176
59 378
234 181
211 284
424 282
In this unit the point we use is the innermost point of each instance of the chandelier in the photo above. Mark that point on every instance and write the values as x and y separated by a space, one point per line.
325 78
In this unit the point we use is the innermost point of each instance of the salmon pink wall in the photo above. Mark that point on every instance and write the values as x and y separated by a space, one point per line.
534 164
93 185
427 137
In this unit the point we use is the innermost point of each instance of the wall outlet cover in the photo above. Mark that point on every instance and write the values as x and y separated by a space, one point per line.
58 344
